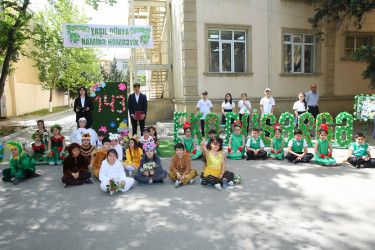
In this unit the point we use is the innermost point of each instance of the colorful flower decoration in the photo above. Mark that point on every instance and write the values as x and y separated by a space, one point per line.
215 118
104 129
319 122
228 123
289 127
103 84
347 129
122 86
306 127
195 122
245 124
177 125
125 120
93 94
113 124
186 125
118 119
122 102
254 119
268 128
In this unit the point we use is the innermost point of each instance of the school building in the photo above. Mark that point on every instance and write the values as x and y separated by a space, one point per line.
246 46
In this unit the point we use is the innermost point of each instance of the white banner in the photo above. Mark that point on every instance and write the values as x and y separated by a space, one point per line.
107 36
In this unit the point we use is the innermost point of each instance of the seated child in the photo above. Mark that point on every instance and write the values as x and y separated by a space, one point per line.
133 156
76 136
21 165
99 142
297 149
112 169
189 142
215 172
255 147
359 153
150 169
277 144
154 136
75 167
180 168
87 148
236 143
212 135
115 145
323 149
38 148
146 138
56 146
98 156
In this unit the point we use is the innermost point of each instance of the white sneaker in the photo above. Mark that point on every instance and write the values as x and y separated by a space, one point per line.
177 184
218 186
191 181
111 192
230 183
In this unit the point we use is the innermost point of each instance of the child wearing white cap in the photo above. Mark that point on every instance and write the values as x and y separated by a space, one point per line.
115 145
267 104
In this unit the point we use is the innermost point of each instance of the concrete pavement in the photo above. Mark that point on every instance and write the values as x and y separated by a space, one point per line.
279 206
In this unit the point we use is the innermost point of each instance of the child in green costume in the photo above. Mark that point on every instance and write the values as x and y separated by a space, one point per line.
359 153
236 143
56 146
277 144
21 165
323 149
189 142
297 149
38 148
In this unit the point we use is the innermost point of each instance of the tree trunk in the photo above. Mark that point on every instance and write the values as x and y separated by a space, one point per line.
10 49
52 88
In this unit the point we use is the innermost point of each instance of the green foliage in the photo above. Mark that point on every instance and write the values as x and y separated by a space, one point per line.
366 54
95 3
115 74
141 79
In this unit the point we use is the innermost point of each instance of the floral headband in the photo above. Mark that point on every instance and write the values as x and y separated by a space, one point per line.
186 125
35 134
55 126
149 146
278 126
237 124
114 136
324 127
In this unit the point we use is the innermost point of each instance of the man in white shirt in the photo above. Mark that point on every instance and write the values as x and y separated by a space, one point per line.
267 104
204 106
312 99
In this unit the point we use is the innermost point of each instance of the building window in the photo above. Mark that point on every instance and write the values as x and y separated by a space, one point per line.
125 66
299 53
353 43
227 51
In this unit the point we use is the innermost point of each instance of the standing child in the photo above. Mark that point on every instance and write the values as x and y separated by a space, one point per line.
150 169
267 105
205 107
56 146
21 166
112 169
87 148
75 167
189 142
255 146
359 153
215 172
42 129
323 149
38 148
277 144
146 138
297 149
114 144
76 136
98 156
245 107
180 168
299 107
133 156
154 136
99 142
236 143
227 106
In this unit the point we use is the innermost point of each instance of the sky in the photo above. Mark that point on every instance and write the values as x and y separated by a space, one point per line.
106 14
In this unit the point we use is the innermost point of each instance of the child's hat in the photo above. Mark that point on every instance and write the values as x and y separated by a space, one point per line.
35 134
186 125
85 136
146 129
133 137
237 124
267 89
323 127
113 136
55 126
82 119
278 126
149 146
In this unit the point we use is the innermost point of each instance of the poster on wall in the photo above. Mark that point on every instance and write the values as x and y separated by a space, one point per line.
107 36
365 107
110 113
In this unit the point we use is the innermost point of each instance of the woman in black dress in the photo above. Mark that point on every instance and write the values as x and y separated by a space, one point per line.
83 107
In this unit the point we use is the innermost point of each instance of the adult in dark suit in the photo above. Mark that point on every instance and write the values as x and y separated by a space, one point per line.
137 102
83 106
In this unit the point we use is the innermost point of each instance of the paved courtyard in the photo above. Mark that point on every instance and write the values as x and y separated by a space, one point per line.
279 206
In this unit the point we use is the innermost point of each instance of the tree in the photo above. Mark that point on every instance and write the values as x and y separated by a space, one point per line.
14 20
337 11
141 79
57 64
115 74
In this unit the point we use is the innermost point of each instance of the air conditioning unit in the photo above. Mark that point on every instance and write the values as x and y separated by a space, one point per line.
3 106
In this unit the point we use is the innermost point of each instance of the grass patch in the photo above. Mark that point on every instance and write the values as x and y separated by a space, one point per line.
44 112
7 130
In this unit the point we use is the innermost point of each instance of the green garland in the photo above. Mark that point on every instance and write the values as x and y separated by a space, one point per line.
195 121
287 128
306 128
228 124
177 125
216 119
244 124
254 119
269 129
348 129
329 120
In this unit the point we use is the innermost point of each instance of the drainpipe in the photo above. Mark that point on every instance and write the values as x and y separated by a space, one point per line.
269 38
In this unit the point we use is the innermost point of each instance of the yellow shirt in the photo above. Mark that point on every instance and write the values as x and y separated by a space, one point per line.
213 165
